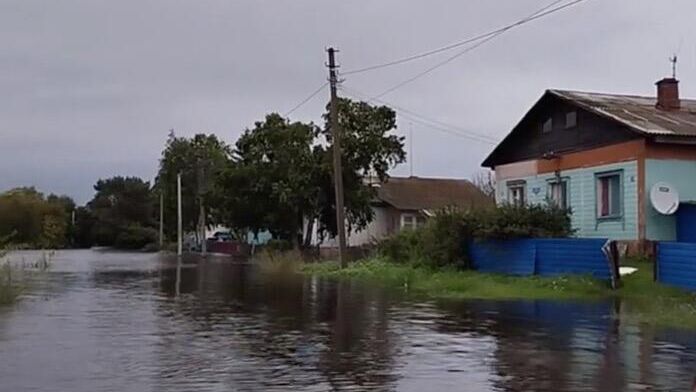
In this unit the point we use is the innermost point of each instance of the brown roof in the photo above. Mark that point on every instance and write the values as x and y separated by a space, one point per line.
637 112
416 193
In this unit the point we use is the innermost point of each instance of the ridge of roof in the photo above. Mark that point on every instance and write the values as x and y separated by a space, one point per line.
612 95
420 193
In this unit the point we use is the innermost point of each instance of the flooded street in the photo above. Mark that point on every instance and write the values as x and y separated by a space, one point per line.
110 321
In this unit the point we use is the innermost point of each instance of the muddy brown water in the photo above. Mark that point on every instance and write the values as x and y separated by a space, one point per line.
111 321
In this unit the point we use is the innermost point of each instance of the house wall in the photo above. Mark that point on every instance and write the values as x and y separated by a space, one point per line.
385 223
375 230
582 198
527 141
681 174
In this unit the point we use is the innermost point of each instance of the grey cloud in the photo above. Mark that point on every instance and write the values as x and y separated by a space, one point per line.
90 88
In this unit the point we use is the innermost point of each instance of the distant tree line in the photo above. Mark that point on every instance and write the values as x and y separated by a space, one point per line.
277 177
30 219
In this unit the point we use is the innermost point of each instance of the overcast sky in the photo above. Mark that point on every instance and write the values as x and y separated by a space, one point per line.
89 89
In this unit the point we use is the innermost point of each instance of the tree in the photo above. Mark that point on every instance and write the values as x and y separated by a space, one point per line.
118 204
281 173
368 151
29 218
485 181
270 184
199 160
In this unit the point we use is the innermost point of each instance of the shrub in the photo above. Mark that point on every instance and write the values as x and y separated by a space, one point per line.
405 247
276 245
135 237
510 221
444 240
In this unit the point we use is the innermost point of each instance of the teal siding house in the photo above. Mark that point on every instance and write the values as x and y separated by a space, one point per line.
600 155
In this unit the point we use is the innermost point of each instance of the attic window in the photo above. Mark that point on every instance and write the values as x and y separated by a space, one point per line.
547 126
571 120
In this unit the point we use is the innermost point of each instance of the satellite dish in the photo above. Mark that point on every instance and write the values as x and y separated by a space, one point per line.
664 198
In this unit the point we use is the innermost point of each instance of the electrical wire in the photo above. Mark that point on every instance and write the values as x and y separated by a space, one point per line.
304 101
423 120
538 14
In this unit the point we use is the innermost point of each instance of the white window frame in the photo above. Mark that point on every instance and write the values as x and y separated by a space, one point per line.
411 225
517 186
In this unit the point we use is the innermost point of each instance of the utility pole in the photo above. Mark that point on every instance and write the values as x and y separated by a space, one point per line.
161 219
337 166
201 208
179 228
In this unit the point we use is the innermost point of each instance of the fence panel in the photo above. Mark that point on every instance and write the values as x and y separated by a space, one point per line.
676 264
515 257
571 256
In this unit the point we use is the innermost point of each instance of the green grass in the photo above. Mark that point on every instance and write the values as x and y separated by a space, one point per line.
642 300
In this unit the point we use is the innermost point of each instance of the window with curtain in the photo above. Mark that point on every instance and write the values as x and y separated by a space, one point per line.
609 195
558 193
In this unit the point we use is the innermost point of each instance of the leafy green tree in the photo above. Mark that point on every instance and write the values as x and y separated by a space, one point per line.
368 150
119 203
84 228
270 184
281 174
199 159
30 219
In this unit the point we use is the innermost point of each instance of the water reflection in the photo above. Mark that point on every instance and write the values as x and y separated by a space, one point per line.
120 321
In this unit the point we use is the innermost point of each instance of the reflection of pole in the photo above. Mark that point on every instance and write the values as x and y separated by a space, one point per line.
201 207
337 169
161 221
177 288
179 228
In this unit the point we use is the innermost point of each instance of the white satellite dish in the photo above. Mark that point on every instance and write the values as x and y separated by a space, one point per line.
664 198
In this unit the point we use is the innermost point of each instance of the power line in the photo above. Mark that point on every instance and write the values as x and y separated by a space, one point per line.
449 131
538 14
304 101
429 122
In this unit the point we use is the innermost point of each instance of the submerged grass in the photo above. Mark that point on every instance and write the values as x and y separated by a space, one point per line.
641 299
9 290
13 273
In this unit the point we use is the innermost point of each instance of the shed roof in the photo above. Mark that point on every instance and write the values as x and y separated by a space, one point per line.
637 112
416 193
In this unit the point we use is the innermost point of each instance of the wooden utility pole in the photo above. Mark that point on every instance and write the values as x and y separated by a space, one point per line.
161 220
179 228
337 166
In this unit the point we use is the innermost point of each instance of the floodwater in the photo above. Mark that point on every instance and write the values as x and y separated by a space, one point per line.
109 321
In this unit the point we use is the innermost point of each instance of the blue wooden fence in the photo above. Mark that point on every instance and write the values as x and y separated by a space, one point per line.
676 264
546 257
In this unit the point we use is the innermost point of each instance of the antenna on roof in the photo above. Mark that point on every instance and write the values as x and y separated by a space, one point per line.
673 60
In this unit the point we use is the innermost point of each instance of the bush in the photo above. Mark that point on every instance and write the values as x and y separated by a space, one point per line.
444 240
276 245
135 237
509 221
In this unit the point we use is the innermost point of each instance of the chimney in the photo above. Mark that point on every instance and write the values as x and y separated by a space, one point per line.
668 94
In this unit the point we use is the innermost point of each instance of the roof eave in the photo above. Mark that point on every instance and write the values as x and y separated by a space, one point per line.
488 161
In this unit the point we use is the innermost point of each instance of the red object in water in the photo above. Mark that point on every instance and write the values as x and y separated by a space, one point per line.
224 247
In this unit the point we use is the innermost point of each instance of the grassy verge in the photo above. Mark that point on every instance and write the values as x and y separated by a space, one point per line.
642 299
